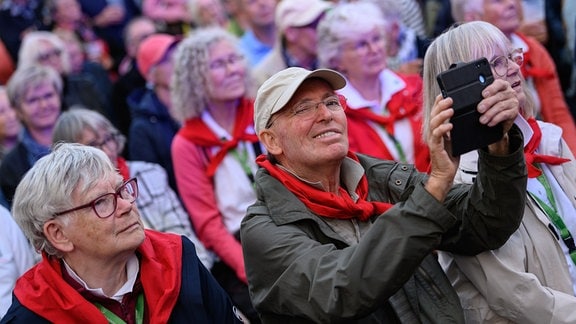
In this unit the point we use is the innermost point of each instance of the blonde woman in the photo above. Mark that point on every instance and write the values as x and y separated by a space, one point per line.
532 278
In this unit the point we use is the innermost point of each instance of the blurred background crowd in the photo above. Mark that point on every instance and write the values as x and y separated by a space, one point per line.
166 89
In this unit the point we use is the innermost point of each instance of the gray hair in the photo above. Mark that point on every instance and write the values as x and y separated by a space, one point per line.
191 67
342 24
47 187
29 77
29 50
72 123
461 43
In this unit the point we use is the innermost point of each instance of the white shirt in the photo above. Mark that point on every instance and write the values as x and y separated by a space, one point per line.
16 257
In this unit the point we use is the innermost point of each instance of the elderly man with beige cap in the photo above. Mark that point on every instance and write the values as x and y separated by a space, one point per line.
336 236
296 22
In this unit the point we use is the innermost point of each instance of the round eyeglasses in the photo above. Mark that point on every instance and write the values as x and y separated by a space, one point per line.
500 63
106 205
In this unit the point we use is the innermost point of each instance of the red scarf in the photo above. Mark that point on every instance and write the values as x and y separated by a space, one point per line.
532 157
43 290
197 132
365 139
123 168
403 104
327 204
529 69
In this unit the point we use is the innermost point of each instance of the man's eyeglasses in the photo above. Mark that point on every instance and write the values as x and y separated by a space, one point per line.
500 63
307 110
105 205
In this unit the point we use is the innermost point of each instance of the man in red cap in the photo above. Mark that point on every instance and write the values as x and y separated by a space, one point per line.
152 127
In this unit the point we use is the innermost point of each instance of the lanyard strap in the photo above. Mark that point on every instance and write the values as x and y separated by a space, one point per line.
242 158
114 319
397 145
552 213
402 155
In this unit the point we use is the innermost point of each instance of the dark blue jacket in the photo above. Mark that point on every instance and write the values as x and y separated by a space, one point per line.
200 300
151 131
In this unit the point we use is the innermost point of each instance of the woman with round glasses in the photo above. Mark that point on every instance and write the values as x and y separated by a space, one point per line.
384 108
99 263
532 278
159 206
500 66
539 69
214 152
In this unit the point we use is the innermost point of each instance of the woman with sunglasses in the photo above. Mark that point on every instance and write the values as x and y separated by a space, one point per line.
532 278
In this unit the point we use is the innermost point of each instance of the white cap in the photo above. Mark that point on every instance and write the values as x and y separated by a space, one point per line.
275 93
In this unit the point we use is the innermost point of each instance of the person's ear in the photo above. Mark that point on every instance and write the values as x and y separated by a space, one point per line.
270 141
55 234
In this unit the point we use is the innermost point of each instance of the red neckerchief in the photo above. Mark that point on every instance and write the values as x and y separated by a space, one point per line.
327 204
529 69
125 310
197 132
532 157
404 104
123 168
44 291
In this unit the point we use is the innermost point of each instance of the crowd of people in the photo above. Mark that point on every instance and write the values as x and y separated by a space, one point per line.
284 161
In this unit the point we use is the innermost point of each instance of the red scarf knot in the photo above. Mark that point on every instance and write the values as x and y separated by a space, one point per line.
197 132
532 157
327 204
123 168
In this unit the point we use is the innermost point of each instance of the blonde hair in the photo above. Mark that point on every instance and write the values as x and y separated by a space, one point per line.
30 49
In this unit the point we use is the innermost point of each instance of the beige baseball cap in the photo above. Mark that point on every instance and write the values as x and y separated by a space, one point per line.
275 92
299 13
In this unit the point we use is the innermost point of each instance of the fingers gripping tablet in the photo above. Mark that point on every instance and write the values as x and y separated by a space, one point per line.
464 82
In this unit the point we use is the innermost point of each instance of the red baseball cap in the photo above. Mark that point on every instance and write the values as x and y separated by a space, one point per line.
152 51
